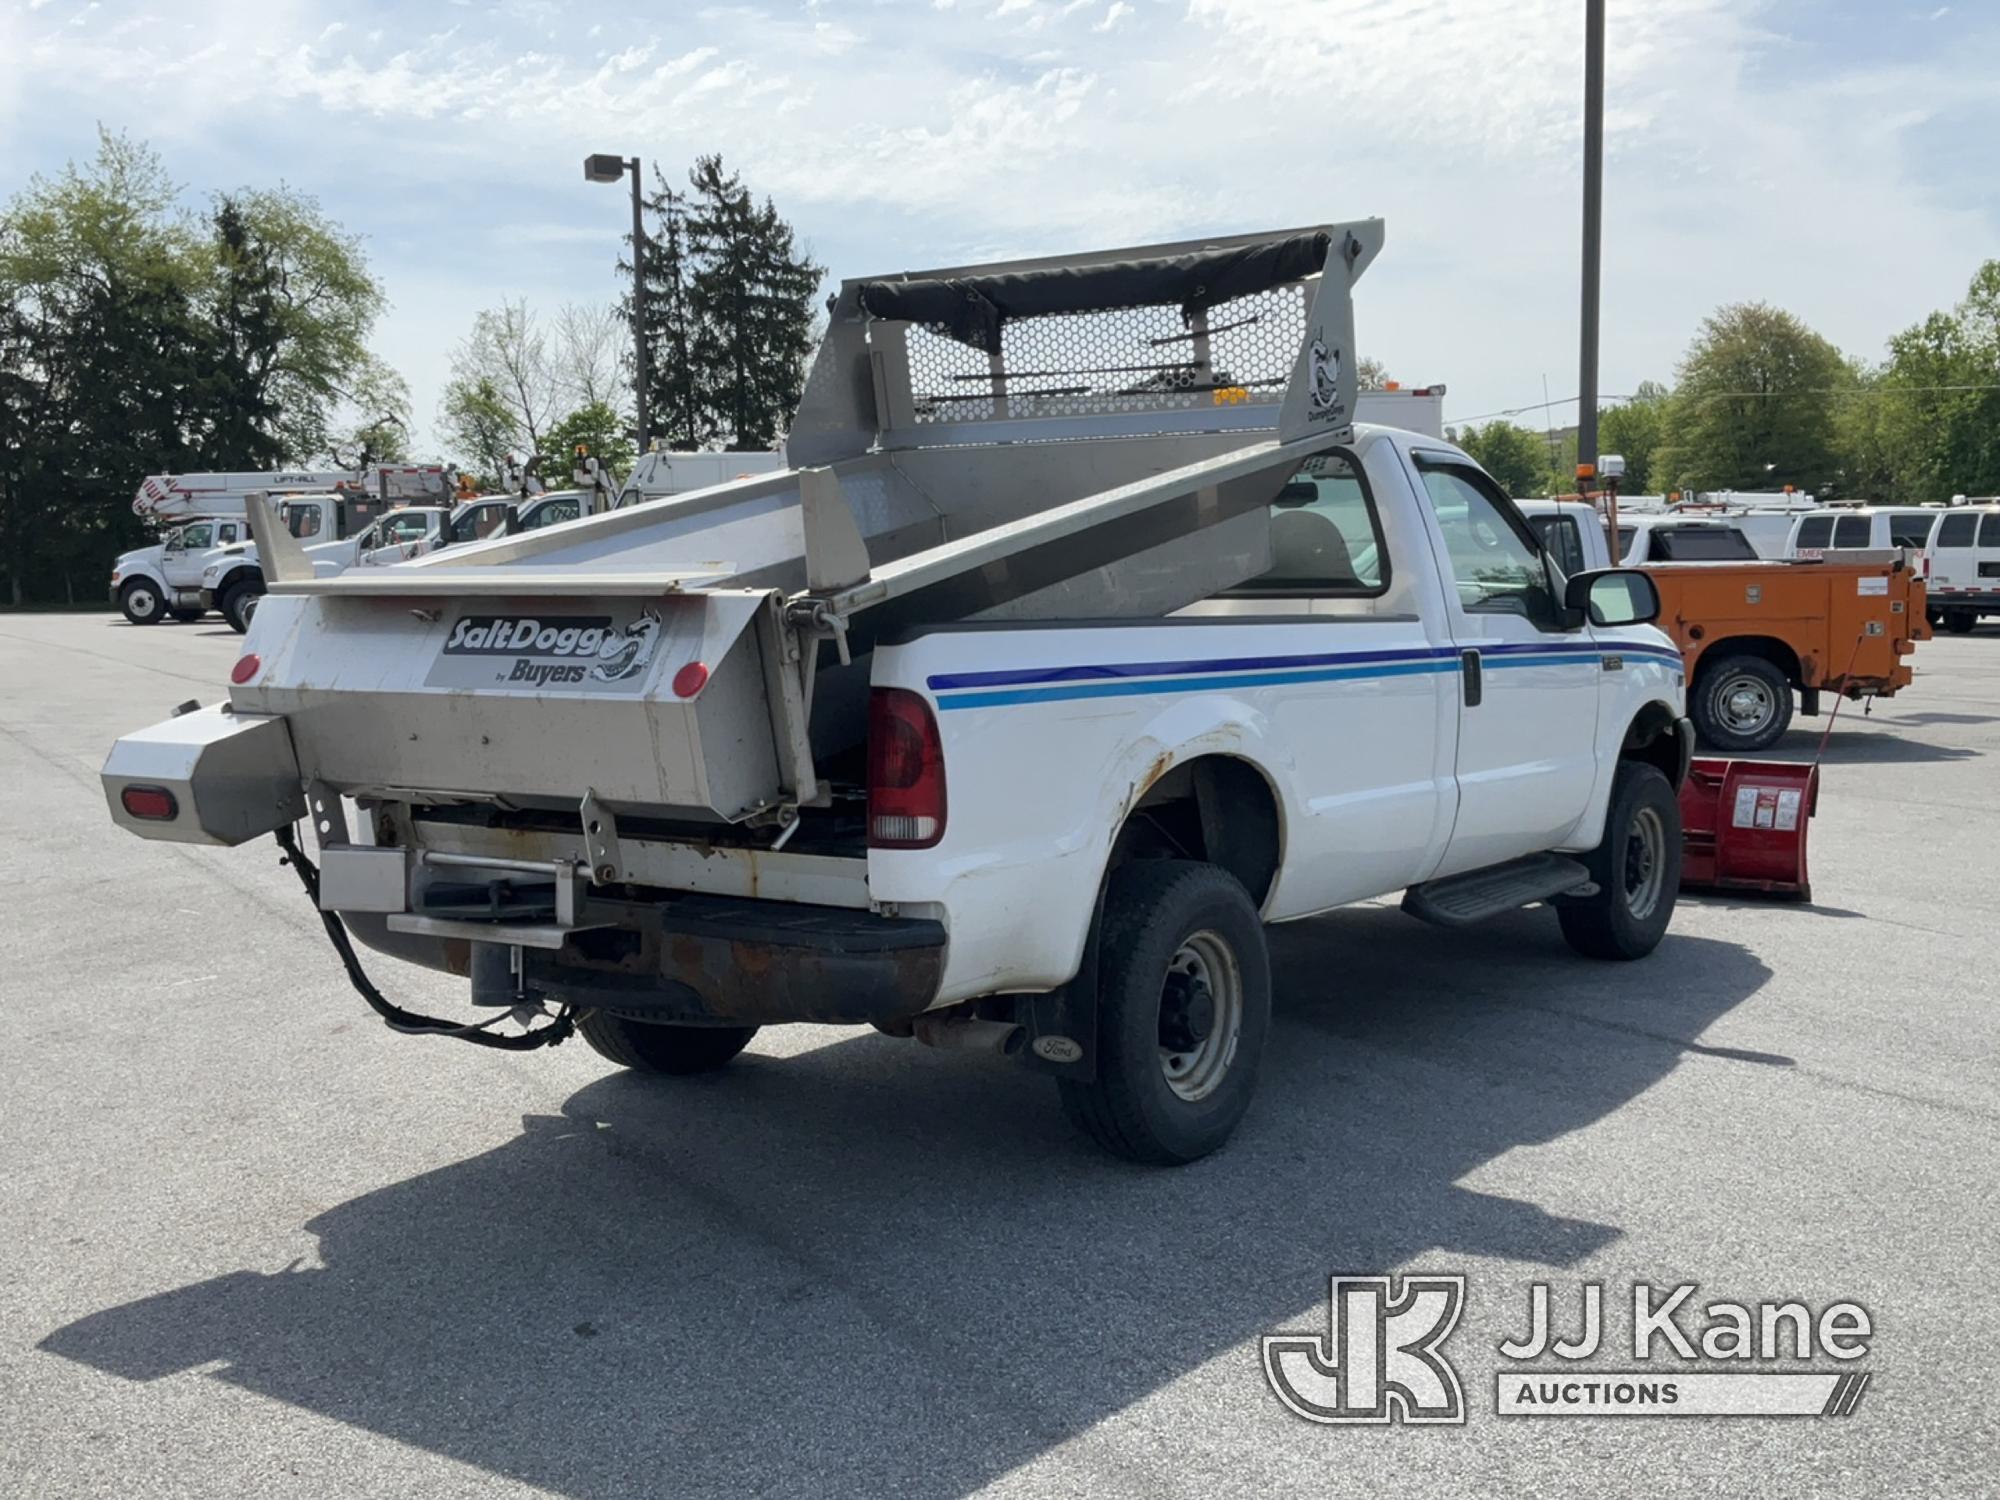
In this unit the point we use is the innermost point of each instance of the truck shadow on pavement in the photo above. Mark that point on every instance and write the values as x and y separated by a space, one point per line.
868 1269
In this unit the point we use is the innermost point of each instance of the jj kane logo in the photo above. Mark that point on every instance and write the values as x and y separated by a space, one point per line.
1380 1358
559 649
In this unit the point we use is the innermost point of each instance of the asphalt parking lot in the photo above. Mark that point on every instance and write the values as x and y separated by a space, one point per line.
256 1244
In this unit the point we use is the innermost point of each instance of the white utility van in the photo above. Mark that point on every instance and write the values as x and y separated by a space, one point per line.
1962 567
1861 528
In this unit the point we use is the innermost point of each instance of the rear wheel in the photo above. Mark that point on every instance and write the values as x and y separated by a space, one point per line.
1636 868
1740 703
1960 621
659 1047
142 602
1184 1003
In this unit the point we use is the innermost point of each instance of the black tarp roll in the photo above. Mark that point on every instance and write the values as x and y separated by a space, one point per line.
973 309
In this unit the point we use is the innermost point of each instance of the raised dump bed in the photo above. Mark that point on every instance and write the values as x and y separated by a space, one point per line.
1078 437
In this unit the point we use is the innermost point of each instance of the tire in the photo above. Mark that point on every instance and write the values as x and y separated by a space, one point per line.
239 602
1740 703
1960 621
658 1047
1180 946
142 602
1637 868
187 616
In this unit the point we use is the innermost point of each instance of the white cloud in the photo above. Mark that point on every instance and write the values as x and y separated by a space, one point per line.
1740 161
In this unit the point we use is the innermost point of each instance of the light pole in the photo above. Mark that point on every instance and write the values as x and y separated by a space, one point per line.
1593 225
600 168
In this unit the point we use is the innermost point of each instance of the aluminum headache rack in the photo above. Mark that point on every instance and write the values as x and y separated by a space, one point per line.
1082 436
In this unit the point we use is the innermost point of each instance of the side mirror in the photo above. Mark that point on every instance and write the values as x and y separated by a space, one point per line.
1613 596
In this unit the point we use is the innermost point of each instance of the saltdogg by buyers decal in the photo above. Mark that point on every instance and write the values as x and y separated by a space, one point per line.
587 651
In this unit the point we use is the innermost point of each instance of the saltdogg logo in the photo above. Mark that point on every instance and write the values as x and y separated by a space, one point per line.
558 649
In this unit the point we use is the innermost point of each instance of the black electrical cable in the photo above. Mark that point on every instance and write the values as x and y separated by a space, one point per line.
398 1019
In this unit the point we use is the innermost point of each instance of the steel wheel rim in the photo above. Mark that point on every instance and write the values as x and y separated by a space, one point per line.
1746 704
1645 863
141 601
1204 959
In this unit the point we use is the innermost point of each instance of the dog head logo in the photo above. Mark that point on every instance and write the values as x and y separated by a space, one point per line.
627 655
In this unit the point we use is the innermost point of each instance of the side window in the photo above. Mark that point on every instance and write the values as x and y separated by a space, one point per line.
196 538
1911 528
1957 531
1496 568
397 529
302 521
1815 531
1325 539
555 513
1989 529
1562 541
225 533
1625 536
1850 531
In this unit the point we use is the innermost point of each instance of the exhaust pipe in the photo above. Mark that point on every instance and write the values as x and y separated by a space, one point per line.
966 1034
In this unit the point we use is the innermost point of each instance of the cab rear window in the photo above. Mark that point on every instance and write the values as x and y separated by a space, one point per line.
1702 544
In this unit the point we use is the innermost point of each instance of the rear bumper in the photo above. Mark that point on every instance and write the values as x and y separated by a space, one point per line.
710 960
722 961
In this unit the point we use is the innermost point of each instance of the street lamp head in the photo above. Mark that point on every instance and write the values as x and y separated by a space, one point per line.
600 168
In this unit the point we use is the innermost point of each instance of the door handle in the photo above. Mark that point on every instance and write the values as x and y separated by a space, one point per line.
1469 674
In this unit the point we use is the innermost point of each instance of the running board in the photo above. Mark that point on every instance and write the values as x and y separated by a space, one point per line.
1461 900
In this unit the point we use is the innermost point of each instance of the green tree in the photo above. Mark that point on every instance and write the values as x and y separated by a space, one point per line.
1939 395
598 430
1369 375
1516 458
728 308
506 359
1633 431
479 428
1753 406
679 412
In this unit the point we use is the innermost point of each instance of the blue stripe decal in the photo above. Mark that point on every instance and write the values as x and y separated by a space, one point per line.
1131 687
946 682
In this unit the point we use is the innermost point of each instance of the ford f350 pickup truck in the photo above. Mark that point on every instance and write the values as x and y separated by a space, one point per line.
1086 636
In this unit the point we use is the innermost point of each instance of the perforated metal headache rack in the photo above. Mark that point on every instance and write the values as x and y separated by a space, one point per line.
1083 436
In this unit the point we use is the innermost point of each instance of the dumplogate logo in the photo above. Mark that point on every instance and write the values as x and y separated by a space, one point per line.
1378 1361
560 648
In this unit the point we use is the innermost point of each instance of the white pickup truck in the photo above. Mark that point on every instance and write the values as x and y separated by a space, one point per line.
1006 720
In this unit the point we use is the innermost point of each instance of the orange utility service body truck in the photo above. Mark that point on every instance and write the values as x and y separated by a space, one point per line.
1753 633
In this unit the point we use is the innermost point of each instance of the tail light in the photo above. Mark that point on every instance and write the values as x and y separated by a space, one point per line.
905 772
155 804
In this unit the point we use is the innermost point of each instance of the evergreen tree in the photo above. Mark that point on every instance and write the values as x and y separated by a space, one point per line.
727 303
679 415
248 336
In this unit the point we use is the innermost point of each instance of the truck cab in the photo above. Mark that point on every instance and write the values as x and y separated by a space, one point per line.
151 583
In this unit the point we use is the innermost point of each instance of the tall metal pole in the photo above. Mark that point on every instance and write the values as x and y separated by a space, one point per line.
640 365
1593 226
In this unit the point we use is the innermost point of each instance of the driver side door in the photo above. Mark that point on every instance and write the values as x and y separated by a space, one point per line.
1528 688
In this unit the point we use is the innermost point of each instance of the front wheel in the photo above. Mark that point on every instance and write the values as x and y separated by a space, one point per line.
142 602
1184 1003
1636 868
239 604
1740 703
659 1047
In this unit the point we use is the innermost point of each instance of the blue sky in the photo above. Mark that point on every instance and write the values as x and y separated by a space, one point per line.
1833 158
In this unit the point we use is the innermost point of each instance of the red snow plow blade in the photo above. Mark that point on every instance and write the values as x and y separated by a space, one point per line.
1744 826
